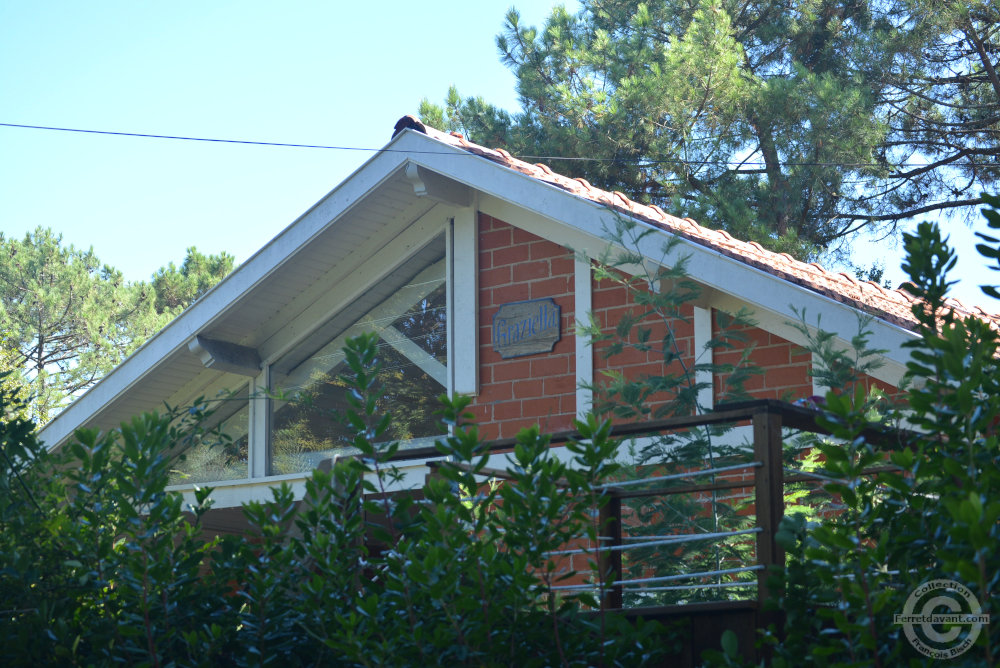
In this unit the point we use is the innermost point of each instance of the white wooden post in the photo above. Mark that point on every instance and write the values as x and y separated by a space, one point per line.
703 355
582 306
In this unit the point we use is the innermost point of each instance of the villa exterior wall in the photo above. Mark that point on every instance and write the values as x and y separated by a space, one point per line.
515 265
517 392
613 301
785 366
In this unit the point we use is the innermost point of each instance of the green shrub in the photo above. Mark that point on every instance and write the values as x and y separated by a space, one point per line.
102 566
935 517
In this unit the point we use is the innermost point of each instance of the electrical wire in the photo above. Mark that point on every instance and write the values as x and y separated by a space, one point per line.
183 138
639 162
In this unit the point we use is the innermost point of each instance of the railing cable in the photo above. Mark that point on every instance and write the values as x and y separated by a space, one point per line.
680 476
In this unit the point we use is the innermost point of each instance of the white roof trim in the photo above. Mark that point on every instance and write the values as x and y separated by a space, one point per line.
541 205
216 302
545 209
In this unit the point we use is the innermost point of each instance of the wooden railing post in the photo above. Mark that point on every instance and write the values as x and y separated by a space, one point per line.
609 563
432 472
769 495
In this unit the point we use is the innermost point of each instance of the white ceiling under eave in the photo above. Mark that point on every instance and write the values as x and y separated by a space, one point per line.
293 272
284 289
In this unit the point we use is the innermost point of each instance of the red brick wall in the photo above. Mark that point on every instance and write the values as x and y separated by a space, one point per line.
785 365
611 301
515 265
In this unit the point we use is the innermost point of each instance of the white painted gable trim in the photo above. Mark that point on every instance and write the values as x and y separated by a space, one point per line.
580 224
217 301
520 200
582 306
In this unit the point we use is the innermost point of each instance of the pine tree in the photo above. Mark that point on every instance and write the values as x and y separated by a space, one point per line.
11 381
69 318
177 288
792 124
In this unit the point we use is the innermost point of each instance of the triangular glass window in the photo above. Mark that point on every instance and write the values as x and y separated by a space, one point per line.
408 310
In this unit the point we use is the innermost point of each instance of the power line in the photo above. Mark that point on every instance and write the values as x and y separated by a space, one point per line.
178 137
640 162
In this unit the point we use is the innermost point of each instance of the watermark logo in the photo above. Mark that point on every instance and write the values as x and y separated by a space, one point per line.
942 619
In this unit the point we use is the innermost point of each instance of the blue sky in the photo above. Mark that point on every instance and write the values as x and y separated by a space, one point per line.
329 73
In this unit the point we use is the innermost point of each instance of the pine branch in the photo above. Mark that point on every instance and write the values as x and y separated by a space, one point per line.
939 206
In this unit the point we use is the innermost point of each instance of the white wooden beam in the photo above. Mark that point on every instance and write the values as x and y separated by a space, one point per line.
411 351
217 302
383 262
464 316
551 230
430 184
225 356
723 290
580 224
583 306
377 319
337 272
260 421
703 355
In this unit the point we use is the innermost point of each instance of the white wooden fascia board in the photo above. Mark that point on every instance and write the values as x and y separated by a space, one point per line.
550 204
781 325
234 493
550 229
720 273
578 223
517 189
504 192
216 302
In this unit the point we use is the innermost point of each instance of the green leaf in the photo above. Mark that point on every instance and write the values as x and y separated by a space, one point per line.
730 645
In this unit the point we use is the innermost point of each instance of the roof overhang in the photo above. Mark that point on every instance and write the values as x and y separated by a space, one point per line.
582 224
386 199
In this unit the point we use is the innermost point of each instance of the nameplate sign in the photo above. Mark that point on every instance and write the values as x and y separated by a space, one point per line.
526 328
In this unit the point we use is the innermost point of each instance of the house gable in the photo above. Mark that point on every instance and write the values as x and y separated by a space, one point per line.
511 232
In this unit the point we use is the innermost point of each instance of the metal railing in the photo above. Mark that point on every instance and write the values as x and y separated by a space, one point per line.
767 418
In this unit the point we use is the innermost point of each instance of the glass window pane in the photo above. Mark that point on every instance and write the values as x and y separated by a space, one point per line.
409 313
222 451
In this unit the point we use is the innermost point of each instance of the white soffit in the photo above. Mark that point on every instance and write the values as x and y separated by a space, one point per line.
276 272
163 364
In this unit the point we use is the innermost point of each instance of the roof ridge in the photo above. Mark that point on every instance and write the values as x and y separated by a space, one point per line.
891 305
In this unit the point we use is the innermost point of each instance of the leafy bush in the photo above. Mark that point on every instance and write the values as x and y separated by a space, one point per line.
934 517
101 565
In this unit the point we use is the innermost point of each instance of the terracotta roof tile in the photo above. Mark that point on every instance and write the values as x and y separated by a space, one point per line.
892 306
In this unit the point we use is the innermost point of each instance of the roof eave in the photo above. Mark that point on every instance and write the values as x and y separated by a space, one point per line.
173 339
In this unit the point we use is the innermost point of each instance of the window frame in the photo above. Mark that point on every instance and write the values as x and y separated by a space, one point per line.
460 228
